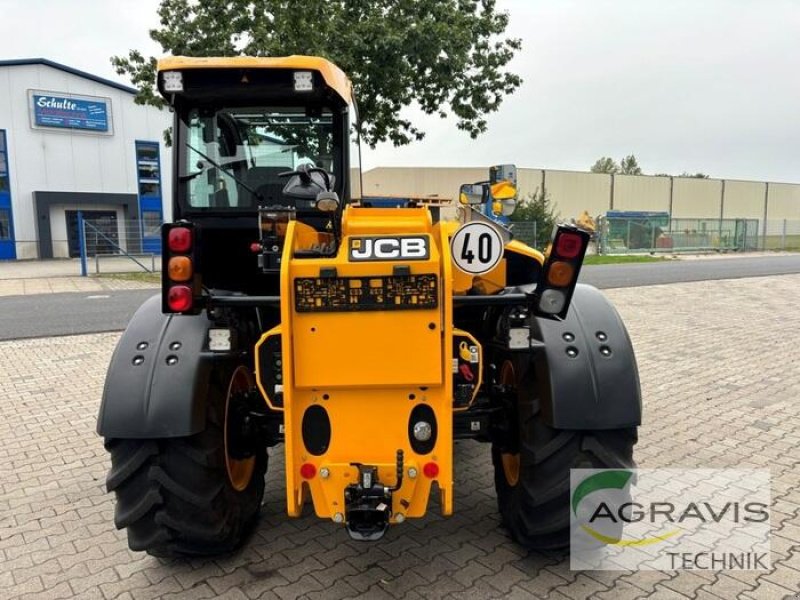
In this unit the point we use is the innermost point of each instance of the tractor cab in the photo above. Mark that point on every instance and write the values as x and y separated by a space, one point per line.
258 142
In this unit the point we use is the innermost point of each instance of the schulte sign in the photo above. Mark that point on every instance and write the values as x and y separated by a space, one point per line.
70 113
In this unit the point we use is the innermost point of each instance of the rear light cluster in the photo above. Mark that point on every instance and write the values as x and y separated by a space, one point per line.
560 272
179 277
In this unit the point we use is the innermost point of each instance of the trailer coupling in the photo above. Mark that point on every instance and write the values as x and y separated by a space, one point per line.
368 503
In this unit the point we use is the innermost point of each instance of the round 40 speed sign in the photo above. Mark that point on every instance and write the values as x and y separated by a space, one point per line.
476 248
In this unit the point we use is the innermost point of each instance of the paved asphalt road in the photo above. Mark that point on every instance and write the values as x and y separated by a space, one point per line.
72 313
640 274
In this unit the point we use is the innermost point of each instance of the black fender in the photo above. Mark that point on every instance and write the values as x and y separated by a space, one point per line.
158 379
585 368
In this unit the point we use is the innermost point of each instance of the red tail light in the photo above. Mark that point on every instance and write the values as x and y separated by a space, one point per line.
179 298
568 244
308 471
179 239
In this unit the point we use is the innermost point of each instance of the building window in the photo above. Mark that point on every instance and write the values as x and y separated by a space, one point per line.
148 170
148 179
151 223
147 152
5 224
149 189
3 162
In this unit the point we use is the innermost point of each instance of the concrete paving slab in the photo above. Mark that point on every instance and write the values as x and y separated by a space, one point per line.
712 359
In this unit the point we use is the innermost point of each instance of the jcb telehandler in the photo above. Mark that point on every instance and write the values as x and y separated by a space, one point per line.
366 340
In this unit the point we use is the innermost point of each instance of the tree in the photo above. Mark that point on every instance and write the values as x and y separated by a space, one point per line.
629 166
606 164
536 208
447 57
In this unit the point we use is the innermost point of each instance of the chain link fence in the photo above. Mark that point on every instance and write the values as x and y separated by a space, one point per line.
117 246
782 234
660 233
526 232
111 245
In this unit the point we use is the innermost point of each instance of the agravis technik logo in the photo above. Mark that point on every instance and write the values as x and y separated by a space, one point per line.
666 519
611 480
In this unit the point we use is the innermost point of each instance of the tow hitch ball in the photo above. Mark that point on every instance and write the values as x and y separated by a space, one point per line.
368 503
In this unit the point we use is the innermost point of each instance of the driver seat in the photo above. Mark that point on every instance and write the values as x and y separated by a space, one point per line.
266 182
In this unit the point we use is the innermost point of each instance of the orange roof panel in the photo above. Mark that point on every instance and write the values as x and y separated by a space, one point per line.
334 77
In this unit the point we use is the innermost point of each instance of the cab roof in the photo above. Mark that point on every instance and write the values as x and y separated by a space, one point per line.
334 77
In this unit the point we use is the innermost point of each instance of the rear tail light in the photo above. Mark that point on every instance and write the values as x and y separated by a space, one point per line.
308 471
179 239
560 271
179 298
552 301
568 244
180 280
180 268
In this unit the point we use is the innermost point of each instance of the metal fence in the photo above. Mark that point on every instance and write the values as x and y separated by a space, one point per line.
782 234
632 235
526 232
118 246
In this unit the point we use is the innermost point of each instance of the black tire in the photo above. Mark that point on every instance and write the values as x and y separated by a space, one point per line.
535 509
174 495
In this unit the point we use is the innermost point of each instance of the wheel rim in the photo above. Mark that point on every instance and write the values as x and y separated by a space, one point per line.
510 461
240 471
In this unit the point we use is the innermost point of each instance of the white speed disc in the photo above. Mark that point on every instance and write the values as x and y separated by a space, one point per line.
476 248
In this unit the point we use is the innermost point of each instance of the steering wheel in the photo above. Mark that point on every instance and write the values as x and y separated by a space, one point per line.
304 171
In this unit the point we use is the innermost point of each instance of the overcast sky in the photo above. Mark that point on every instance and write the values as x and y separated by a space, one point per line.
710 86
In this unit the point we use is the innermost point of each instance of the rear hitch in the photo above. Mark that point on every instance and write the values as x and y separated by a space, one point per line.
368 503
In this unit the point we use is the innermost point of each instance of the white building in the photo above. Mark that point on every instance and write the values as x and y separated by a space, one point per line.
69 142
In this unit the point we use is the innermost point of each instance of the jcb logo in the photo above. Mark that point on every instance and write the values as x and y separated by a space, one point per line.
389 248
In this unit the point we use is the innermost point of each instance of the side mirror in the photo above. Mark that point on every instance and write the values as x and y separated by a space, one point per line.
472 193
503 189
503 173
503 182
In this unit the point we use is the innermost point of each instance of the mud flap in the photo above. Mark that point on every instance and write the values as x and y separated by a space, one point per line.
585 368
158 377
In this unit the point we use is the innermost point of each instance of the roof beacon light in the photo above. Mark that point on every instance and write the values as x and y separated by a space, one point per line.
172 80
303 81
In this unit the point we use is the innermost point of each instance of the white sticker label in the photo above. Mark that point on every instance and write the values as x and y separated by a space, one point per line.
476 248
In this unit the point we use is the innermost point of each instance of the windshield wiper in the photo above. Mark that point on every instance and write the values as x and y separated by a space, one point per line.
189 177
221 168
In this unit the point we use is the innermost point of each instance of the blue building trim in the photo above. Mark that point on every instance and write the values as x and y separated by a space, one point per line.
21 62
8 249
148 183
